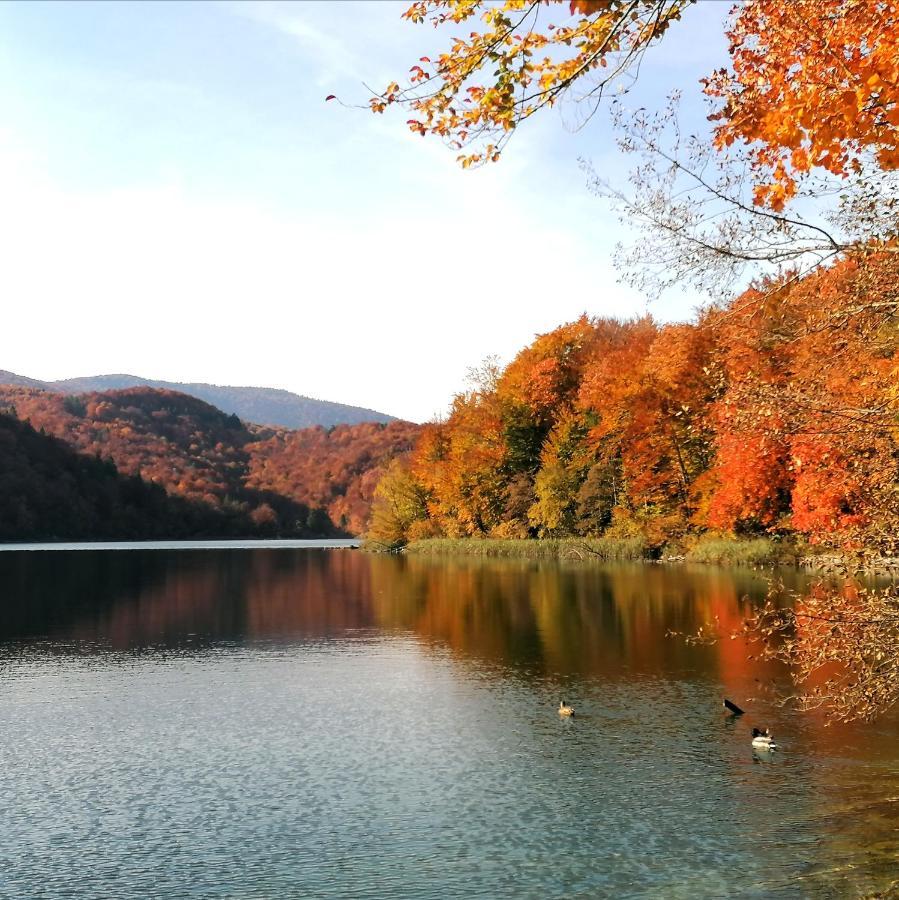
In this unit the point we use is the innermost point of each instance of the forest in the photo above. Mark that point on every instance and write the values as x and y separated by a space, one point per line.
50 492
240 479
772 413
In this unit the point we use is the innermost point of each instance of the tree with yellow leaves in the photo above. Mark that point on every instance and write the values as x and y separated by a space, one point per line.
525 56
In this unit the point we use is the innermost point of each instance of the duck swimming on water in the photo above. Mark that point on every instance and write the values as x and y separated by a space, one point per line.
565 709
762 740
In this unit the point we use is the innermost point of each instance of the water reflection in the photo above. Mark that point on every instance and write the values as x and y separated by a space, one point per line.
403 708
570 618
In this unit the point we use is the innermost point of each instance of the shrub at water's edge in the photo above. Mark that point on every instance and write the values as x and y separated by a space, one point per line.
721 551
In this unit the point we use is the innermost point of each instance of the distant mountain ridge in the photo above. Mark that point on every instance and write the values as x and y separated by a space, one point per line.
22 381
262 406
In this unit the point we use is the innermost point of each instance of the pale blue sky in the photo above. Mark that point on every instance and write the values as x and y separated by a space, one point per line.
178 201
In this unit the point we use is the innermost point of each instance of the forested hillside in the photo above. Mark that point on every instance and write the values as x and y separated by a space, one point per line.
336 469
50 492
775 413
263 406
310 482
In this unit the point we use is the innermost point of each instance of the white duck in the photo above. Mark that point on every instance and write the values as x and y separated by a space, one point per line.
762 740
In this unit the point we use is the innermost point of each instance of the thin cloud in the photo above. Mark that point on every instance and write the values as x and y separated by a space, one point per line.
333 57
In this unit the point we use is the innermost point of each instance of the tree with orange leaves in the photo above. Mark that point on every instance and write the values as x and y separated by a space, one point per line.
461 466
812 84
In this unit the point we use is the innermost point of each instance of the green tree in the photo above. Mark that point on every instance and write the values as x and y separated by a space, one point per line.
399 502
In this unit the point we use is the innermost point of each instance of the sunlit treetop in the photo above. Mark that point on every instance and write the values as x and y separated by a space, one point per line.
521 57
812 83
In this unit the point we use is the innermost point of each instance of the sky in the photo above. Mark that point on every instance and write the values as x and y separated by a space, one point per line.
179 202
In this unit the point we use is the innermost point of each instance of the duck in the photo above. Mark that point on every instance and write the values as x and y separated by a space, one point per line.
762 740
565 709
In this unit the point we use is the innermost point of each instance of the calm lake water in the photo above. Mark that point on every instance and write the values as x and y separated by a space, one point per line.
327 723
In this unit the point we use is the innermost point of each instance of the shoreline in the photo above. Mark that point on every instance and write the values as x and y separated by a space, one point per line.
728 552
186 544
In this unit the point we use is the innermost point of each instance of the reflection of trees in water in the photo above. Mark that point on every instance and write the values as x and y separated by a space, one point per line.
568 618
120 598
479 609
307 592
139 598
40 593
192 602
562 618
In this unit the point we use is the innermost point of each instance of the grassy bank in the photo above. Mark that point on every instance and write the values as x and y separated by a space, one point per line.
546 548
741 552
709 549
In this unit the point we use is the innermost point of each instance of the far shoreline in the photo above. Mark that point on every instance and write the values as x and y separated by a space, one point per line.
187 544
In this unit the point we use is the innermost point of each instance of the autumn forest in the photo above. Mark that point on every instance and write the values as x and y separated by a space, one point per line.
584 579
770 414
189 470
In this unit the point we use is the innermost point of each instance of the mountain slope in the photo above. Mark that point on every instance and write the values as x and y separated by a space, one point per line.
313 480
50 492
22 381
336 469
264 406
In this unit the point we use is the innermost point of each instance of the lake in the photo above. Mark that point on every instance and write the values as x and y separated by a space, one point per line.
294 722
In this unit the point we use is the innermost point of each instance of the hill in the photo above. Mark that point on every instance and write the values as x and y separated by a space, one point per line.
22 381
335 469
50 492
263 406
314 480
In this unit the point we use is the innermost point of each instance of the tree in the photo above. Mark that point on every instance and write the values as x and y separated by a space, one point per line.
519 499
399 502
812 83
807 109
461 464
597 498
74 405
564 463
840 644
524 57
